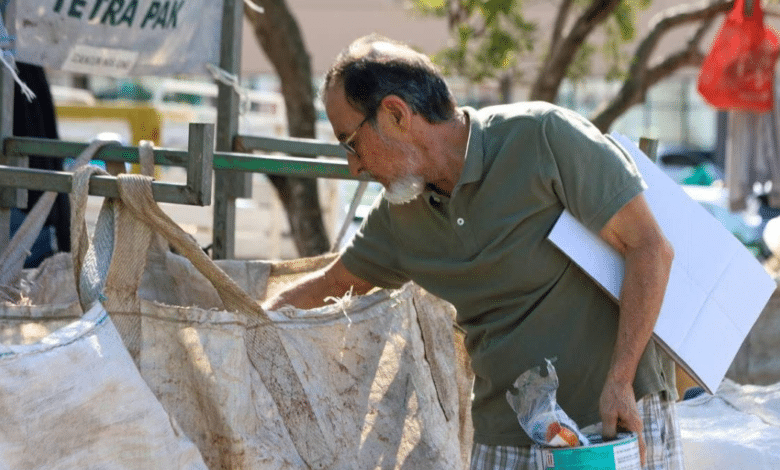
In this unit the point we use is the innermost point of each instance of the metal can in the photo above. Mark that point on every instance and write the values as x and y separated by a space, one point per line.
622 453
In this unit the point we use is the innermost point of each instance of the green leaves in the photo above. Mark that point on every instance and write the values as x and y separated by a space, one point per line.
432 4
492 37
491 9
430 7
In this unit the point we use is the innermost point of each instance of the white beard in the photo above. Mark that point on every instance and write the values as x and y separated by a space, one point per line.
404 189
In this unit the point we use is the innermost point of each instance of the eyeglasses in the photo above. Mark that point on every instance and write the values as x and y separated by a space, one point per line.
346 144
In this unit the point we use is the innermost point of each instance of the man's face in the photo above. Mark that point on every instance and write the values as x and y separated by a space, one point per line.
392 163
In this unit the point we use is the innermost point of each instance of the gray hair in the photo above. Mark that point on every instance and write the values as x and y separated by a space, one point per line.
373 67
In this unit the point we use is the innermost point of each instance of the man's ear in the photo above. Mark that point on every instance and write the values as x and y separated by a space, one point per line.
399 113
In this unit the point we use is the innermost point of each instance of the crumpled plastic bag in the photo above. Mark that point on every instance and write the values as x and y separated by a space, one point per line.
539 413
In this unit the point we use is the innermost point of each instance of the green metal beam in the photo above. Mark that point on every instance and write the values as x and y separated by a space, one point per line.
291 146
282 165
17 146
276 165
99 185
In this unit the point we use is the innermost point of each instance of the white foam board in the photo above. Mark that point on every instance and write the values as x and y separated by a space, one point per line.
716 290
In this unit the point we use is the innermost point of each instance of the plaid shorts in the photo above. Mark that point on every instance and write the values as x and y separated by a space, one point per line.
661 433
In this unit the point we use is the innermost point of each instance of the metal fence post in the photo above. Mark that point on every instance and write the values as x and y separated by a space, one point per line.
228 185
9 197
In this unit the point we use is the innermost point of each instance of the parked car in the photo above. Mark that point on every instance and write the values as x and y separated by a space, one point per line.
181 102
704 181
683 155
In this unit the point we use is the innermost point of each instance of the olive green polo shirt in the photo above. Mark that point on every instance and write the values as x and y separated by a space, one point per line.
485 250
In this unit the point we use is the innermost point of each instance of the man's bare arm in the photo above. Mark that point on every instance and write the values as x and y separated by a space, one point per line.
334 280
634 232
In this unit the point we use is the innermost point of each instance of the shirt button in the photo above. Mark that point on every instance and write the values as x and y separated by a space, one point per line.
461 221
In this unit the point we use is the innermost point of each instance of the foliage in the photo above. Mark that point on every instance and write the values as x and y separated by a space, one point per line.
488 36
570 48
494 37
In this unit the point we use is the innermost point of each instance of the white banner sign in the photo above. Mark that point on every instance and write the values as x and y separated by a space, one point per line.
119 37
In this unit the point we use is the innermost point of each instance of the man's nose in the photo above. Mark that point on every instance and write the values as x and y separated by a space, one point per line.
355 167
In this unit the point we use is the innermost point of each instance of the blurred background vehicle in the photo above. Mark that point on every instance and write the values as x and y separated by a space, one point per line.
703 179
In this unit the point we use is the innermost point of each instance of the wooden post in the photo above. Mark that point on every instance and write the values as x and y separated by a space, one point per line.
649 147
200 162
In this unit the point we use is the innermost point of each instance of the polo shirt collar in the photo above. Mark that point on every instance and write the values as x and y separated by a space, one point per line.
475 155
474 158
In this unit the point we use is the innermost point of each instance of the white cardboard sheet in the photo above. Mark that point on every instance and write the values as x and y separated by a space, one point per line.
716 290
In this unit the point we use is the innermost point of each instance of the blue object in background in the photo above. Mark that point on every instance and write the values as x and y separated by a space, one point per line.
45 245
692 393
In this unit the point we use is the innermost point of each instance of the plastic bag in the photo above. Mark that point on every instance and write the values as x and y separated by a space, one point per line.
738 72
539 413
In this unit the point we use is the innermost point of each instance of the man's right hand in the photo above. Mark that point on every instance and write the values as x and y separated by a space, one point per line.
334 280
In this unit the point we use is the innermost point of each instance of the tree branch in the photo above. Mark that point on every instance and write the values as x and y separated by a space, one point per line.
676 16
640 77
560 21
456 14
554 68
669 19
280 37
692 55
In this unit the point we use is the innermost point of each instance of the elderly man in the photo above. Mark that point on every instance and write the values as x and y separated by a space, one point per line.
469 199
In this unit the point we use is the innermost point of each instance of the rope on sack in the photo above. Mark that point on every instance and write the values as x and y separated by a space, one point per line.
343 303
146 159
265 348
98 278
91 258
18 249
136 194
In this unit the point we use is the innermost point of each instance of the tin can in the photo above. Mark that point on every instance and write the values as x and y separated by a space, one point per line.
621 453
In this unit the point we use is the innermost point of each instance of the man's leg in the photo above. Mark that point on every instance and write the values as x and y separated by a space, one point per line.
502 458
662 433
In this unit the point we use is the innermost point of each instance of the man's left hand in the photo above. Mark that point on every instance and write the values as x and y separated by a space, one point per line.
618 408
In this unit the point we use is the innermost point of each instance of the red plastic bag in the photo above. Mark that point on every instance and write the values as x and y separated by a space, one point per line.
738 73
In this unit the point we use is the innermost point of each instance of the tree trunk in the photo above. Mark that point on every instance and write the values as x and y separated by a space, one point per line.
553 69
506 83
279 36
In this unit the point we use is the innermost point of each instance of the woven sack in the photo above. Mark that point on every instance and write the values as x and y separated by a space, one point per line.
71 395
75 399
384 375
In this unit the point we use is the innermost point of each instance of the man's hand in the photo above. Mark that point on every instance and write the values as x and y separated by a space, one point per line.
311 291
618 408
